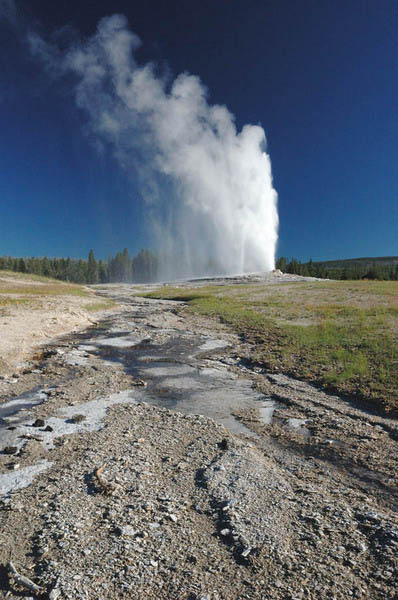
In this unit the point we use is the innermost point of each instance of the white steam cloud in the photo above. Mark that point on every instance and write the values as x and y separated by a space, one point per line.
211 199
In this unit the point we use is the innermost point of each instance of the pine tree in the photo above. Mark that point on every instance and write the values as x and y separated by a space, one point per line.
92 268
21 266
127 267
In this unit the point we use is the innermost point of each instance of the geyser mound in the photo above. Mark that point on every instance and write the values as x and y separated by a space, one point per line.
208 187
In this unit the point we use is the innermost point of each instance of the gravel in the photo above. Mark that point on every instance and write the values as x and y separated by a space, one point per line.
122 498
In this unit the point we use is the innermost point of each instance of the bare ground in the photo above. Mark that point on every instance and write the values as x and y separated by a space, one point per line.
31 317
183 508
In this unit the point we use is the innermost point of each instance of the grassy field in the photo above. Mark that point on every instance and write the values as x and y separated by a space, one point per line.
21 288
16 288
96 306
340 334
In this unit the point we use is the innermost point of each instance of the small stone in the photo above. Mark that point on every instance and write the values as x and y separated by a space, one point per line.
142 534
127 530
38 423
10 450
225 532
223 445
173 518
48 428
78 418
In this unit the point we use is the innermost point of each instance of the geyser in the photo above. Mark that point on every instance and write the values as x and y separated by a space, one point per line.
208 187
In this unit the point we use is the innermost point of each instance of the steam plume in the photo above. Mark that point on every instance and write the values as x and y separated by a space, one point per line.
209 187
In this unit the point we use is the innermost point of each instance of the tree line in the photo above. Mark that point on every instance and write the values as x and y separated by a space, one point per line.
144 268
121 268
344 269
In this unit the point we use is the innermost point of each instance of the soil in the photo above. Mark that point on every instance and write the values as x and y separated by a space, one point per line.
28 325
145 457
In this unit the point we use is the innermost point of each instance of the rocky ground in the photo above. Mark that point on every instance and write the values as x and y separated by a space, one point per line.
274 490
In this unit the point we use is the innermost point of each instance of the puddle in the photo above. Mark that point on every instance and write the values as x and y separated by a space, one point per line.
176 377
93 414
217 373
236 426
10 411
16 480
165 369
266 411
212 345
184 384
125 341
87 348
299 425
76 358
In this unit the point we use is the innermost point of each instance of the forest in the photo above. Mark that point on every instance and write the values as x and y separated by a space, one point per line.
380 268
144 268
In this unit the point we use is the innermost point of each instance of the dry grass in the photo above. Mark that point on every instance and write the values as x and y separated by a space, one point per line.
23 284
96 306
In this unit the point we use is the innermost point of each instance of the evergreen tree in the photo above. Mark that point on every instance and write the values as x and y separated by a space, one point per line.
92 268
102 272
127 267
281 264
21 266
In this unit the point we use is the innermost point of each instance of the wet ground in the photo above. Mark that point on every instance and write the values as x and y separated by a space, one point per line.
196 372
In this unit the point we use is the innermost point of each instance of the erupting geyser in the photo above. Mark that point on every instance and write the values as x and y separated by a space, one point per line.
208 187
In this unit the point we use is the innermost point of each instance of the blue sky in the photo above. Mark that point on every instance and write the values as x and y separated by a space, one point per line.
321 77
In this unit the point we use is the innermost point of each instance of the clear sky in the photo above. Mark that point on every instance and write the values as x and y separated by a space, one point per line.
320 76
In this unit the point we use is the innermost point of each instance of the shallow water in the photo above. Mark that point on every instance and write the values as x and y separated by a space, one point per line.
176 374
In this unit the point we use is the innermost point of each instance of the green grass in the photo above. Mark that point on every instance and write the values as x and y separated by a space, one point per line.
343 334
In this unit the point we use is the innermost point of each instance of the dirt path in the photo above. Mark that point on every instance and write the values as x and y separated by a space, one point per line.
215 480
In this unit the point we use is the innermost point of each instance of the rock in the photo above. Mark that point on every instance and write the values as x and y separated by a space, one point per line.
10 450
223 445
127 530
78 418
38 423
